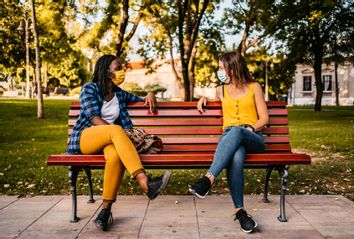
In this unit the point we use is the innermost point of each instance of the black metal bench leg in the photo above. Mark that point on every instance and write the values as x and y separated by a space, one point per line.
283 173
266 184
88 174
73 173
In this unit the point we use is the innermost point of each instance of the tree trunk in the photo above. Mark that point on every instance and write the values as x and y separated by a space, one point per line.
122 28
185 75
242 46
336 81
46 78
192 72
173 65
318 79
38 65
28 85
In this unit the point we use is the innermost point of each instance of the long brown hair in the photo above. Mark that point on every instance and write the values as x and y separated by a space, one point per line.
236 68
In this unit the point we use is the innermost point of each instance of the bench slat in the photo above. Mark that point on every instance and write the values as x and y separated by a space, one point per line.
203 131
206 131
176 104
215 139
186 122
181 159
191 122
182 113
212 147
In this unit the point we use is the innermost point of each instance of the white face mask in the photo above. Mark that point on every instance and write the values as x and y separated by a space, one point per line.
222 77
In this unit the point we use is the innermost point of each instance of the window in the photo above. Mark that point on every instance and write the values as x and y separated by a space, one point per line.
327 83
307 83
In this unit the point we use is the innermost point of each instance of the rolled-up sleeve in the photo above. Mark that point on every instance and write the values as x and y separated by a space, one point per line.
89 102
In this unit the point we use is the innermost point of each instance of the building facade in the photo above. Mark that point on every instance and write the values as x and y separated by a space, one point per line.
303 90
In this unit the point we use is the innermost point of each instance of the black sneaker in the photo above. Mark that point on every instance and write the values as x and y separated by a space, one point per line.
201 187
104 219
246 221
157 185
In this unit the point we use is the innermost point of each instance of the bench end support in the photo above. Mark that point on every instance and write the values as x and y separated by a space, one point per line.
283 173
73 173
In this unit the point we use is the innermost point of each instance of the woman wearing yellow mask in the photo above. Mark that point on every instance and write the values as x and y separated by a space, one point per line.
100 127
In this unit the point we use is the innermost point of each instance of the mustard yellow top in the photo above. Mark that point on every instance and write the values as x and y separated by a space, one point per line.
239 111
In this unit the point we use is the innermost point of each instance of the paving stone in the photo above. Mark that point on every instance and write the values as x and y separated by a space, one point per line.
167 219
331 223
7 200
128 214
56 222
21 214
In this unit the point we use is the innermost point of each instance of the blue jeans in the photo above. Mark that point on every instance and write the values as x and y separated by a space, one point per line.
230 153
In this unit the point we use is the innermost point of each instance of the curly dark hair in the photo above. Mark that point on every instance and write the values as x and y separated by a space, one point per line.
100 75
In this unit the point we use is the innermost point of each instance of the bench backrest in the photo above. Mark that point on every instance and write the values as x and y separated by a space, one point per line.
183 128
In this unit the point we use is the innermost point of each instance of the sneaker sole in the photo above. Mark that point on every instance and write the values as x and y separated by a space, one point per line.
249 231
192 191
165 180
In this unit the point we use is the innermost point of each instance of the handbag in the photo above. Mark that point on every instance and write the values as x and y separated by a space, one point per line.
143 142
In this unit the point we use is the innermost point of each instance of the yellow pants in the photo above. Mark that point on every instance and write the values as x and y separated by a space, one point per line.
119 153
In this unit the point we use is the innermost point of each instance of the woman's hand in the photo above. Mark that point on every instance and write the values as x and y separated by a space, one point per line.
202 102
150 100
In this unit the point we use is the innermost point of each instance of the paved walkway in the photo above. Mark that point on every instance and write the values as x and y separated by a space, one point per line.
176 217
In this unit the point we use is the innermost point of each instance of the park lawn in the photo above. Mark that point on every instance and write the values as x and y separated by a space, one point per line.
26 142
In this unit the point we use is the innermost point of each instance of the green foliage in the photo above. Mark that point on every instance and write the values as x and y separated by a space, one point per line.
249 18
66 63
308 28
75 91
135 89
155 88
162 41
210 46
12 41
280 71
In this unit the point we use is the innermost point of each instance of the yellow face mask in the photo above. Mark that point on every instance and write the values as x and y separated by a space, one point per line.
119 77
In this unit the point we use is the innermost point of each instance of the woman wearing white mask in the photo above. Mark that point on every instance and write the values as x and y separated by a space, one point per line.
244 115
100 127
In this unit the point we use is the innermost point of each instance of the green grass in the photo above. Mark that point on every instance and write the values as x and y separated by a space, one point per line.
26 142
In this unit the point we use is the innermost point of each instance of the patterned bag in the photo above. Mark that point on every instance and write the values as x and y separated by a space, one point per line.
143 142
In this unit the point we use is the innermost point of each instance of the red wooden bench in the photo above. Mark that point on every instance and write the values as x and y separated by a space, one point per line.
190 140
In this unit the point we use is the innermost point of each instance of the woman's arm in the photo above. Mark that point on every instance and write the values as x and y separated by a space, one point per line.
150 100
261 107
203 100
89 105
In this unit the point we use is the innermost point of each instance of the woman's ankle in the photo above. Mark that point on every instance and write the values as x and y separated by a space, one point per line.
211 177
142 180
107 204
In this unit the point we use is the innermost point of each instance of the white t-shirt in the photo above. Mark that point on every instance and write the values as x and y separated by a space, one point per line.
110 110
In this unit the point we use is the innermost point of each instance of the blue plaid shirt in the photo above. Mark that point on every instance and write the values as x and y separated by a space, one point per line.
91 102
